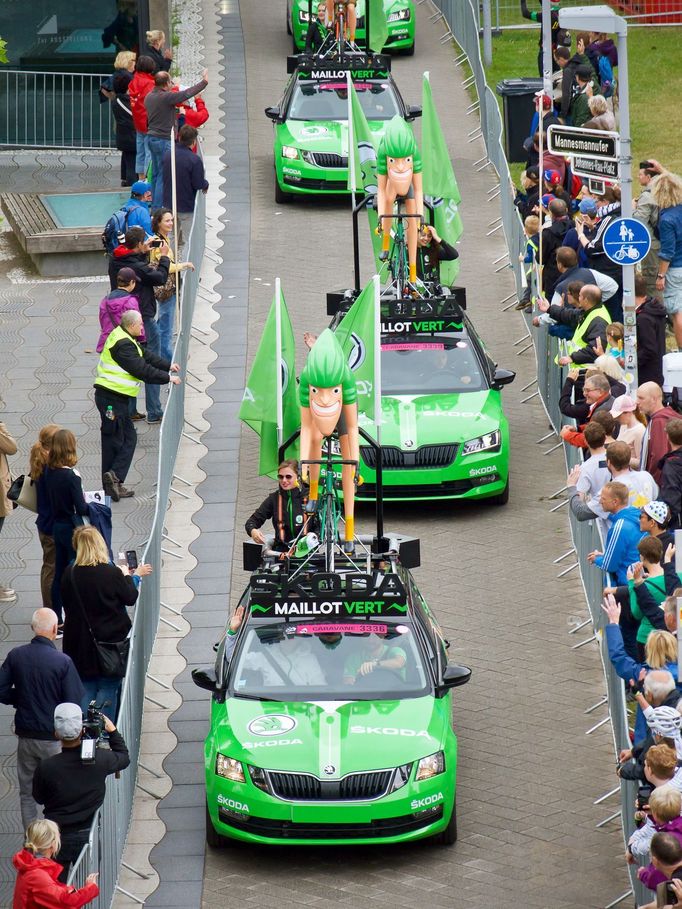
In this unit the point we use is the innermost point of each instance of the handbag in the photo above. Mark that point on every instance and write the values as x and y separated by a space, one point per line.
24 492
112 656
164 292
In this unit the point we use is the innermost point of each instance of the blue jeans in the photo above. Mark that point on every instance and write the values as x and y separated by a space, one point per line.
152 393
157 149
101 691
166 324
142 158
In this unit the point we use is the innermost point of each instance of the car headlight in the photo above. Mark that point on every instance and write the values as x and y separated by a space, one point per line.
288 151
258 778
402 15
229 769
430 766
488 442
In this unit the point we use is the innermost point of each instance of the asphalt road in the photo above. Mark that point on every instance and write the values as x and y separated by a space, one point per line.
527 773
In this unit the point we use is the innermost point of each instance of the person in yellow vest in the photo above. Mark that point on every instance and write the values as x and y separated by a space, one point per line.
590 323
123 365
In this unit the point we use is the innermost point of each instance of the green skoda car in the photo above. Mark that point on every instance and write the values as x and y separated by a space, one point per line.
400 19
311 126
331 712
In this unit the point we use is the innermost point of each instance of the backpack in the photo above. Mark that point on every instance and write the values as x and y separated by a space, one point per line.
606 79
114 230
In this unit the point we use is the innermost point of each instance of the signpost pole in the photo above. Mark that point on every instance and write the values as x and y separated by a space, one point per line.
546 53
487 34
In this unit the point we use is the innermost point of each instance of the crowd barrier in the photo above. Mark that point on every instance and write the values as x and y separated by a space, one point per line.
506 14
461 17
104 850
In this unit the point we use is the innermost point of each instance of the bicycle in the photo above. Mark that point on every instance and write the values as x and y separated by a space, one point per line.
397 258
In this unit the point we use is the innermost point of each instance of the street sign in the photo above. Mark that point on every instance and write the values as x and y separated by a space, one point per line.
595 167
626 241
596 187
588 143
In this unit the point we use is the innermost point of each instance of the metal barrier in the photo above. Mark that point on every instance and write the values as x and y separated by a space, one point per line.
54 110
104 850
506 14
461 18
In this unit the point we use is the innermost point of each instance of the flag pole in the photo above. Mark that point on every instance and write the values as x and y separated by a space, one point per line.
377 410
278 359
176 229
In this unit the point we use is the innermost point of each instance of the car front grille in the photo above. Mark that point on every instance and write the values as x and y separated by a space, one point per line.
320 185
308 788
327 159
395 458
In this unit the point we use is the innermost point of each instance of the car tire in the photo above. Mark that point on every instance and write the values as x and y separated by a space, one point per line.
281 198
409 51
448 836
502 498
214 839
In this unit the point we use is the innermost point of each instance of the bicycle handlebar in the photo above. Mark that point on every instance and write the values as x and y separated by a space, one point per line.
331 463
400 216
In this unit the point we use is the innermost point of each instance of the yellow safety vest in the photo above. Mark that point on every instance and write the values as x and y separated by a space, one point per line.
112 376
577 342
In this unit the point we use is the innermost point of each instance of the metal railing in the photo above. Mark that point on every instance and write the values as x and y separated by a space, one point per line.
506 14
461 20
104 850
54 110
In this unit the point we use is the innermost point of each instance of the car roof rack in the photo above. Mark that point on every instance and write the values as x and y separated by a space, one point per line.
361 65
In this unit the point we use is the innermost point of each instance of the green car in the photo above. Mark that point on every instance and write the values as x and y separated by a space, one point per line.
331 712
400 18
311 126
444 434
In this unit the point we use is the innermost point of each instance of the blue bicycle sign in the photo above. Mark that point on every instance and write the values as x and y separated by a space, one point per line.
626 241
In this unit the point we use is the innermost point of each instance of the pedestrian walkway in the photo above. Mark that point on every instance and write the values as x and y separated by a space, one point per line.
49 330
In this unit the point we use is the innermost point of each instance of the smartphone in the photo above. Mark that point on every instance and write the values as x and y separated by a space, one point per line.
155 244
131 559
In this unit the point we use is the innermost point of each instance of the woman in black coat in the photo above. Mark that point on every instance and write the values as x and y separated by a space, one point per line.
96 595
126 137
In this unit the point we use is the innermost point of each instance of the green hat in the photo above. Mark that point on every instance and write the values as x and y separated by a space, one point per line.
398 142
326 367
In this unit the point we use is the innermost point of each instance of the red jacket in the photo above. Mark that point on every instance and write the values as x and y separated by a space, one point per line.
195 118
139 88
37 886
656 440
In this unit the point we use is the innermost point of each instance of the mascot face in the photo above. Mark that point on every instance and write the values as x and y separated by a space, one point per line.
400 173
325 407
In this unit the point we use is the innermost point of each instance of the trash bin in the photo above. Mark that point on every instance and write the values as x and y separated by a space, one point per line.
518 109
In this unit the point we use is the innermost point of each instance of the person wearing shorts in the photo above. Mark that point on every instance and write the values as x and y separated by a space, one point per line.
666 192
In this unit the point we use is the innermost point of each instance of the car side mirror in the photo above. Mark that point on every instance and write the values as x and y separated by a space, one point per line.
272 113
453 677
503 377
413 111
205 678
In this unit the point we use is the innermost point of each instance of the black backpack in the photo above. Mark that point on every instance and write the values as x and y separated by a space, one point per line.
114 231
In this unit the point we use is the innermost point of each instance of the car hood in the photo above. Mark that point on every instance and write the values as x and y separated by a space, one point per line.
438 418
324 136
349 736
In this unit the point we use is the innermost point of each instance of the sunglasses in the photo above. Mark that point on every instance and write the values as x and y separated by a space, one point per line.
286 476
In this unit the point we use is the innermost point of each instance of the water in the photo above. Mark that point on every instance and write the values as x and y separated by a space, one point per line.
83 209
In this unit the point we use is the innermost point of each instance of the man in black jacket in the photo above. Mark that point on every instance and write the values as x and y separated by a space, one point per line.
552 239
671 473
135 254
35 678
285 507
190 178
560 36
123 365
72 789
650 315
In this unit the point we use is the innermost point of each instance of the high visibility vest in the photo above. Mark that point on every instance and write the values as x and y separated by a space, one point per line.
112 376
577 342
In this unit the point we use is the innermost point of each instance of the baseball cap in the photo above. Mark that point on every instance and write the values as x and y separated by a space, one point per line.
140 187
546 101
547 198
126 275
68 721
658 511
588 207
623 404
552 176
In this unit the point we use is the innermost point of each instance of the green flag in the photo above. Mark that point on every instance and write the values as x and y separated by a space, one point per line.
440 185
378 27
270 403
362 162
357 336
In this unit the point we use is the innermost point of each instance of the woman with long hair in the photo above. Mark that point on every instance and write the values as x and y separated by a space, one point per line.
38 458
162 57
96 595
37 886
67 506
632 426
163 226
666 192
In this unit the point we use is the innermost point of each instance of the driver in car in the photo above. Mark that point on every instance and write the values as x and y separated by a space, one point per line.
374 654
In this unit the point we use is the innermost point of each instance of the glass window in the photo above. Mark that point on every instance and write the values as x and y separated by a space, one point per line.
434 366
329 100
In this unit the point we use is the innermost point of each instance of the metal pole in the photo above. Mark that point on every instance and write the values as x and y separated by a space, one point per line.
487 34
176 231
547 63
625 161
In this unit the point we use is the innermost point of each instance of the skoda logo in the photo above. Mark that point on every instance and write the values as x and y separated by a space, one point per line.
329 769
274 724
408 443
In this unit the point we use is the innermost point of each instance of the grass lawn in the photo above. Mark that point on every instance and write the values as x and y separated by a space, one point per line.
655 87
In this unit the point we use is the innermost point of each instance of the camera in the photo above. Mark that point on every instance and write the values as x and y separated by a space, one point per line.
93 727
643 796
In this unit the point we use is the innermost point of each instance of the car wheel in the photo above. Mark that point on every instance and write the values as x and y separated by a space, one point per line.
281 198
214 839
448 837
502 498
409 51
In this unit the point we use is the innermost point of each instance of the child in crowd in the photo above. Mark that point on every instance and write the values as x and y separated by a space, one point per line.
531 228
615 334
665 804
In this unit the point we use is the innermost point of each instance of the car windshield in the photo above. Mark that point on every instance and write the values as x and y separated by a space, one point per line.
307 661
434 365
329 101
